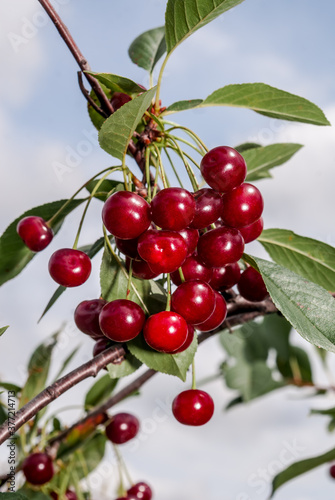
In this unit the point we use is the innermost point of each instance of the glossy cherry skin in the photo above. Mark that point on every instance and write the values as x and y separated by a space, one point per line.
128 497
225 277
34 232
191 236
253 231
193 269
119 99
194 301
332 471
220 247
165 331
121 320
141 491
122 428
101 345
251 285
141 269
188 341
128 247
173 208
223 168
164 251
70 267
86 317
193 407
242 206
217 317
208 208
126 215
38 468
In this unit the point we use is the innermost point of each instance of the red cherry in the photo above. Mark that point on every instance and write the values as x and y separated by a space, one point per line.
141 491
193 269
173 208
188 341
223 168
242 206
251 232
165 331
164 251
119 99
86 317
193 407
35 233
191 236
126 215
208 208
141 269
121 320
70 267
38 468
225 277
221 246
332 471
251 285
128 247
194 301
69 494
122 428
217 317
100 346
128 497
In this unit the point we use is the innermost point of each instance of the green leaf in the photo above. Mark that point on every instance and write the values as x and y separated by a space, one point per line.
128 366
261 160
276 331
14 255
172 364
3 329
117 130
28 493
330 412
184 17
99 391
148 48
89 456
183 106
11 387
117 83
3 414
105 188
246 146
307 257
297 366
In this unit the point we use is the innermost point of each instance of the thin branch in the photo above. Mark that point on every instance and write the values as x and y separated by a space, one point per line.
87 96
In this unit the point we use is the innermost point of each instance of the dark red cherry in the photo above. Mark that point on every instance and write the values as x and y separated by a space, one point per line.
173 208
121 320
141 491
69 494
193 269
101 345
164 251
193 407
188 341
141 269
221 246
217 317
38 468
251 285
194 301
35 232
70 267
208 208
119 99
251 233
126 215
86 317
122 428
225 277
128 497
128 247
223 168
165 331
332 471
242 206
191 236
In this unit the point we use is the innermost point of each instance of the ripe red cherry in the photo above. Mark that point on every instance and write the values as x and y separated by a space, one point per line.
194 301
173 208
86 317
223 168
225 277
221 246
193 269
141 269
251 285
164 251
126 215
208 208
38 468
70 267
122 428
101 345
242 206
128 497
188 341
141 491
121 320
332 471
119 99
165 331
34 232
128 247
191 236
193 407
217 317
251 232
69 494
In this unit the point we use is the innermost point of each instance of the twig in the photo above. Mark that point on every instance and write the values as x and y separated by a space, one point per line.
87 96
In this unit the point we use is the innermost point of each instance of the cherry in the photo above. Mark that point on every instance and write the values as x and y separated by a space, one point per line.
126 215
225 277
70 267
332 471
251 232
193 269
100 346
119 99
121 320
38 468
194 301
141 491
208 208
193 407
173 208
164 251
122 428
223 168
141 269
251 285
217 317
191 236
86 317
221 246
242 206
35 233
69 494
188 341
128 247
128 497
165 331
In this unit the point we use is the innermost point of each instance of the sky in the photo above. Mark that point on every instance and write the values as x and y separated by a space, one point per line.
43 120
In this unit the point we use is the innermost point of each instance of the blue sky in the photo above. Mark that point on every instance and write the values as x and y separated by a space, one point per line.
286 44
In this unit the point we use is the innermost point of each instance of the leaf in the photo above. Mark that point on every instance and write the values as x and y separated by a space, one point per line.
117 130
311 259
246 146
128 366
14 255
3 415
89 456
172 364
184 17
297 366
79 434
183 106
28 493
10 387
96 118
117 83
260 160
105 188
3 329
99 391
330 412
148 48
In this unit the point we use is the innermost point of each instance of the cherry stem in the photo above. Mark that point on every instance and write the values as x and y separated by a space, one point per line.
194 384
162 171
190 132
168 300
189 170
188 143
130 274
156 179
173 167
181 274
122 464
147 173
